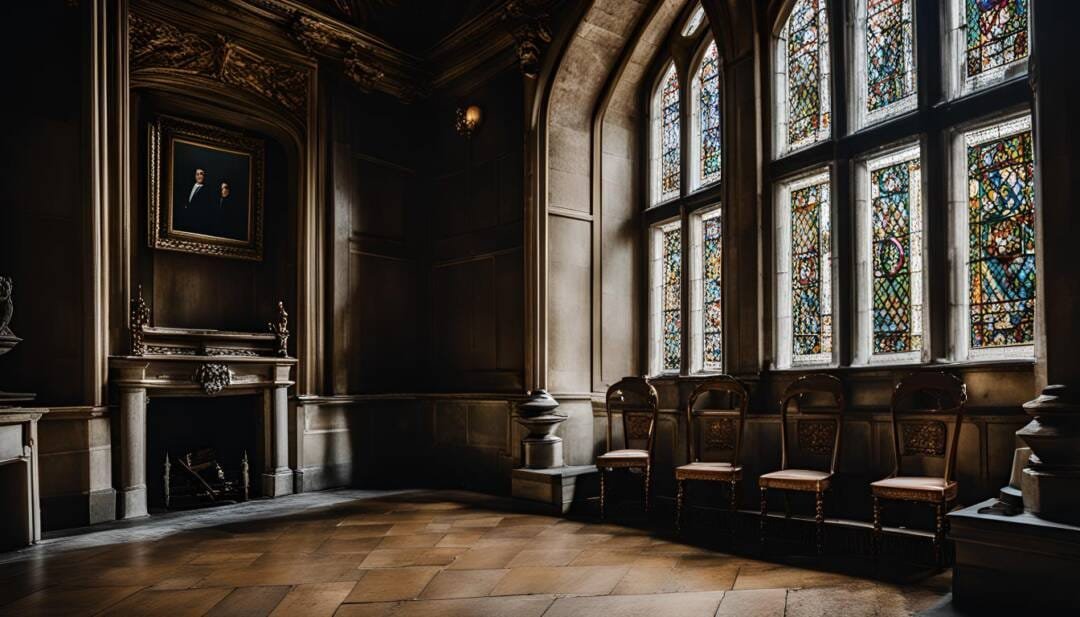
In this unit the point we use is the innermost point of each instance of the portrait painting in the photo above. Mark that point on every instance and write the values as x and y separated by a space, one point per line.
205 189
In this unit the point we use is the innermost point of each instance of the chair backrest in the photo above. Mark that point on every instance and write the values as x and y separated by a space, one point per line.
817 428
939 399
721 430
635 399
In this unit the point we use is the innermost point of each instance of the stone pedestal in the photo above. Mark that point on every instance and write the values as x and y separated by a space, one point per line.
541 448
1017 563
556 489
1051 480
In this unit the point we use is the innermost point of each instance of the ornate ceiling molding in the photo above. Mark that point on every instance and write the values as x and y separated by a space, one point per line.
375 65
159 46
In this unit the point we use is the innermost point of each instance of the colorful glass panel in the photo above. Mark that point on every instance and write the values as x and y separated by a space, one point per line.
811 273
806 34
1001 225
890 58
694 21
709 116
896 250
671 302
997 34
712 318
669 136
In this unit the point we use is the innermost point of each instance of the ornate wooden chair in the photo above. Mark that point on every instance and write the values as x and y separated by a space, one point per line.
720 433
635 400
817 437
924 442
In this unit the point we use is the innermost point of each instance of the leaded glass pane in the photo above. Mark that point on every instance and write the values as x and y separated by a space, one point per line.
712 318
709 116
811 272
1001 226
694 21
669 163
896 253
890 57
997 35
805 40
671 302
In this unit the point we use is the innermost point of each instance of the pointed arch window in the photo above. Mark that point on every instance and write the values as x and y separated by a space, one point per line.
803 101
667 156
705 152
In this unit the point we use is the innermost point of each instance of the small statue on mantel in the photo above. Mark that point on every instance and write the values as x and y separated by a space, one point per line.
281 330
6 307
140 318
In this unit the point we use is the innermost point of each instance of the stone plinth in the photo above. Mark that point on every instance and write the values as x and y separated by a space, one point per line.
1051 480
556 489
76 467
541 448
1023 562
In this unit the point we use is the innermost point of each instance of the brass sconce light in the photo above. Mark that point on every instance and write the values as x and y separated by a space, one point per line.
468 120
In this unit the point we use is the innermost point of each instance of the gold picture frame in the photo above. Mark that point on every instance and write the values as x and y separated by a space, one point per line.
206 188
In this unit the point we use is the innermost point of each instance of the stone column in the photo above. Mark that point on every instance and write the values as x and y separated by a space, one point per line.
277 478
131 500
1051 482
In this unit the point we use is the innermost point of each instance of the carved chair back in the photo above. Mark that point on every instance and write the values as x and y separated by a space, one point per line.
636 401
927 410
721 430
819 405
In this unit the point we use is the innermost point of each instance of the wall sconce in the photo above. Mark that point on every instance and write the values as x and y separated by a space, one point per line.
468 120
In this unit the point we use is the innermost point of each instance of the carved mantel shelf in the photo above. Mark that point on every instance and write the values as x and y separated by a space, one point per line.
177 375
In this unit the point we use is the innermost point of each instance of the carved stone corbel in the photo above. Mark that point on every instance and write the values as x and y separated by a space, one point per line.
140 318
311 34
213 377
361 71
529 27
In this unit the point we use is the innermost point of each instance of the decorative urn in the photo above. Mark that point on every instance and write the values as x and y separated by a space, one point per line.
541 448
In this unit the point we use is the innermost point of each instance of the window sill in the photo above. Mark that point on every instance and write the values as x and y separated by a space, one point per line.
1009 364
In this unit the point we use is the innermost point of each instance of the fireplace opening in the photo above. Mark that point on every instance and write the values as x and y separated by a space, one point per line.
213 448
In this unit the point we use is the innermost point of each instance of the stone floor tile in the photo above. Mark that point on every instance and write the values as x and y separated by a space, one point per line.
353 532
544 557
878 601
519 606
403 557
282 574
753 603
217 559
179 603
618 557
249 602
772 576
391 584
67 602
314 600
583 580
485 558
462 584
374 609
459 539
424 540
681 604
357 545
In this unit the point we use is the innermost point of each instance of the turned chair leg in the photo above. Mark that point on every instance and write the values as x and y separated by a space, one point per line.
733 505
875 541
819 519
680 490
648 480
764 513
603 496
939 532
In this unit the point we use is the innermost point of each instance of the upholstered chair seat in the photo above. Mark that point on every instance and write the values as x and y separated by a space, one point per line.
708 471
623 458
806 480
915 488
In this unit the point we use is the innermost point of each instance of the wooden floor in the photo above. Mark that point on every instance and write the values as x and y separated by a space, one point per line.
426 554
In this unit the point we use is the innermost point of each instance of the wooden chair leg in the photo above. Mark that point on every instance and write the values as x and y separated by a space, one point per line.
680 490
647 480
875 541
764 513
603 495
939 532
733 505
819 520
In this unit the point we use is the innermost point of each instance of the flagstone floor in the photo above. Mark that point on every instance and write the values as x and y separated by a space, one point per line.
430 553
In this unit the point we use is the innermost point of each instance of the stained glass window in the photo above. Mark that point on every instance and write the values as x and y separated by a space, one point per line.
708 117
804 53
667 137
694 21
896 253
1001 228
671 301
997 35
811 271
888 55
712 314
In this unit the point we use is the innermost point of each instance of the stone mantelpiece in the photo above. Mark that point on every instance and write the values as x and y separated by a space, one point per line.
20 523
139 378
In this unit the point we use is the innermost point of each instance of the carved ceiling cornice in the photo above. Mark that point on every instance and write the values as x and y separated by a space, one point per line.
513 29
